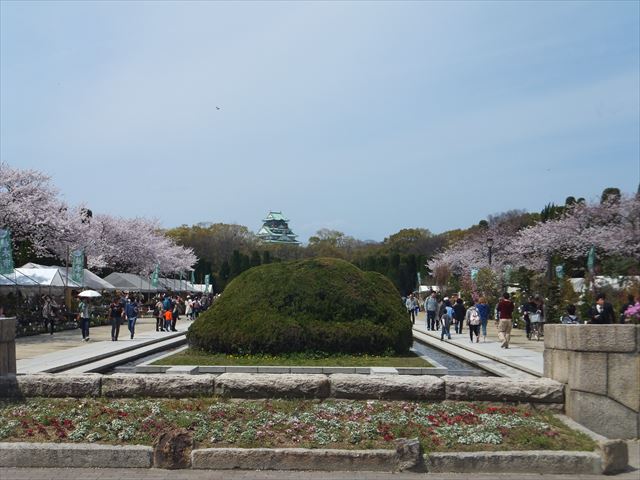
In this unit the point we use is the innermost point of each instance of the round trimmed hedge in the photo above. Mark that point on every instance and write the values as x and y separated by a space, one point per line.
322 304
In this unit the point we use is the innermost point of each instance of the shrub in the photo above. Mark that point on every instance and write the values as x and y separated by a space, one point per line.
322 304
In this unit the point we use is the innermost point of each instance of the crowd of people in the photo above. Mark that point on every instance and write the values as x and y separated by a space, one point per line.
126 307
442 313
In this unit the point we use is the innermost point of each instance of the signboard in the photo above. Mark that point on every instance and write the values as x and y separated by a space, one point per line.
154 276
77 266
6 256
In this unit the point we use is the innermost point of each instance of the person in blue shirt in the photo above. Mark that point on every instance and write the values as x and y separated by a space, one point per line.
483 311
131 314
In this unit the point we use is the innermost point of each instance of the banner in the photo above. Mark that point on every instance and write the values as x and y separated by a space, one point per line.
77 266
419 279
591 259
193 277
508 269
560 271
474 274
154 276
206 283
6 256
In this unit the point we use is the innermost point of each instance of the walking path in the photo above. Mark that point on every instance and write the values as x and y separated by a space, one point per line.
65 349
523 358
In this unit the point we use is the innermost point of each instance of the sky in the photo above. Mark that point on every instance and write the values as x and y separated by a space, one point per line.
363 117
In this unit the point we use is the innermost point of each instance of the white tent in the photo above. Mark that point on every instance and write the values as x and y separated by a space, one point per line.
35 281
91 280
130 282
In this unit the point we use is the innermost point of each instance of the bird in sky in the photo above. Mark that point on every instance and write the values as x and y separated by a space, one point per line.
217 108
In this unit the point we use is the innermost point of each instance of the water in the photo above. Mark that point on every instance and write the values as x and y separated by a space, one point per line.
454 364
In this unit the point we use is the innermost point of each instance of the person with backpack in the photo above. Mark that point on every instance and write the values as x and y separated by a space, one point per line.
131 314
459 314
473 320
445 320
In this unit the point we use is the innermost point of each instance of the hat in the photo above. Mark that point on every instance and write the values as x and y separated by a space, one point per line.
445 299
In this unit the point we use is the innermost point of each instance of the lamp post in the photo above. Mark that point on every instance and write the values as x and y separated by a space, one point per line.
490 247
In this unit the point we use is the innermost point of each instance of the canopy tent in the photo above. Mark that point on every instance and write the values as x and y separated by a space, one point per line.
36 280
616 283
130 282
91 280
176 285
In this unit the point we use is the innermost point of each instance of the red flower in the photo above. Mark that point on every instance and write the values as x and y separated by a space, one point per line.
388 436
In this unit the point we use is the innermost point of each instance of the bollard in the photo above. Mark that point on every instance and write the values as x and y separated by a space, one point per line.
7 346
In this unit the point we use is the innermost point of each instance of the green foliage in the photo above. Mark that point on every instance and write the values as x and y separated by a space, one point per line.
320 304
610 194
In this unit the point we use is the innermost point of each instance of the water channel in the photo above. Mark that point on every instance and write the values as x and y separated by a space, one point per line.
455 365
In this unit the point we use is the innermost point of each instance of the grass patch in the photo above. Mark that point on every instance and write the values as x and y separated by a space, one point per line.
193 356
214 422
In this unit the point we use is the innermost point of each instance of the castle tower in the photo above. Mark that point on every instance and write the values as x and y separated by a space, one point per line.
275 229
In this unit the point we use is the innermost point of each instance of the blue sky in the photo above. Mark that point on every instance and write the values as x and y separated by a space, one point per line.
365 117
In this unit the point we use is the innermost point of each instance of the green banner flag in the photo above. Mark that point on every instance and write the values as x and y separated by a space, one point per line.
591 259
206 283
193 277
154 276
474 274
77 266
560 271
6 256
419 279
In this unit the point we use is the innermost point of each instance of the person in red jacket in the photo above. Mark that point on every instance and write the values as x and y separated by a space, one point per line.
505 320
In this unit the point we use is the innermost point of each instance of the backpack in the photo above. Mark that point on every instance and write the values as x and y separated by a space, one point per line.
474 317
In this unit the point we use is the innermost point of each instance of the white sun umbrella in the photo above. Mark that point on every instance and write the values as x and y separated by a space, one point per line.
89 294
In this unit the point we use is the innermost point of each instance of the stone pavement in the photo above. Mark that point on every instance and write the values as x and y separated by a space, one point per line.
38 353
523 354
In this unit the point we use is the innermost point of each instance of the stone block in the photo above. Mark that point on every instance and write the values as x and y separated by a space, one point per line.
123 385
588 372
615 456
540 462
383 371
624 379
332 370
556 365
293 459
212 369
602 415
392 387
243 385
274 370
409 370
183 370
241 369
51 385
496 389
151 368
555 336
602 338
7 329
69 455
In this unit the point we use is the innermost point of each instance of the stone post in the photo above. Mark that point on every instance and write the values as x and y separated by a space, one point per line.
601 366
7 346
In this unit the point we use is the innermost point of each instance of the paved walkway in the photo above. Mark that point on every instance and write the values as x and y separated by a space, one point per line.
40 353
522 354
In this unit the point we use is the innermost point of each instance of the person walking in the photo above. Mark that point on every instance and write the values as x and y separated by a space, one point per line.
505 320
49 311
131 314
473 320
85 318
431 309
483 311
157 313
458 314
602 312
445 321
115 316
411 305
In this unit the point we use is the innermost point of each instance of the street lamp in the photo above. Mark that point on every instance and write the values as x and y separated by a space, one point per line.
489 246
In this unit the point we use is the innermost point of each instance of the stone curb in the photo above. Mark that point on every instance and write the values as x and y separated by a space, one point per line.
247 385
538 461
72 455
54 455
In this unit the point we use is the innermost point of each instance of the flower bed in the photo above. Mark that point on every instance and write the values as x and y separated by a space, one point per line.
447 426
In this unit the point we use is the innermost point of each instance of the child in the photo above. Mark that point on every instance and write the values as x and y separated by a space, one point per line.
168 318
445 322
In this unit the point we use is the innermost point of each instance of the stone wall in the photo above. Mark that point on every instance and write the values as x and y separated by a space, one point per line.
600 364
7 346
